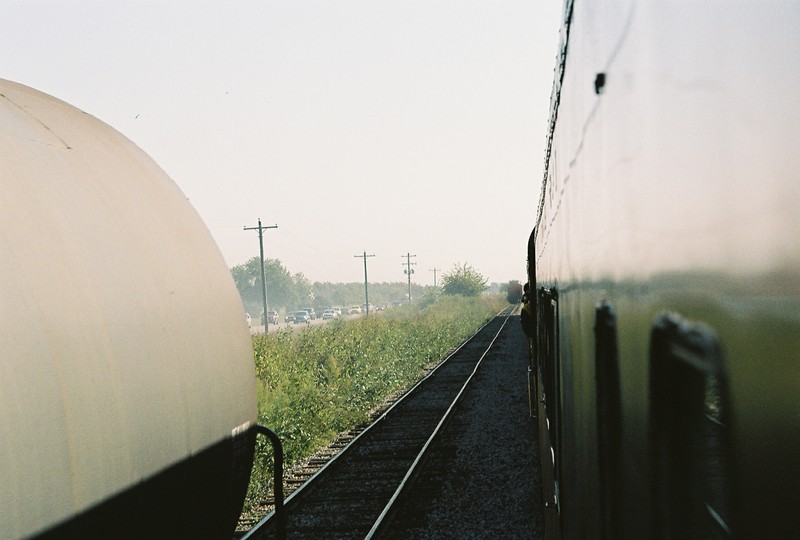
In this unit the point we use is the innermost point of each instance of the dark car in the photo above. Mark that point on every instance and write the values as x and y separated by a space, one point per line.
298 317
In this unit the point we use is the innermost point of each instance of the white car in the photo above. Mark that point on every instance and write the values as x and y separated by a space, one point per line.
328 314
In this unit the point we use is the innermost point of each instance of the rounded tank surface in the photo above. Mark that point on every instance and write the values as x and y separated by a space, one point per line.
126 353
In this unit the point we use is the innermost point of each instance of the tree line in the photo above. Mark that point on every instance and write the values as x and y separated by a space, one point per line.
287 291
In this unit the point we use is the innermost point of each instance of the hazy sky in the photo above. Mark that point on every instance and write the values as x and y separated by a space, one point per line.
388 126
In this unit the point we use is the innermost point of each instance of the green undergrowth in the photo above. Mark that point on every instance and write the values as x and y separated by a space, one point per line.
316 383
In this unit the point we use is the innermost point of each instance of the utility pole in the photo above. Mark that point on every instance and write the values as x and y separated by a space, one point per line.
366 290
434 270
260 230
408 270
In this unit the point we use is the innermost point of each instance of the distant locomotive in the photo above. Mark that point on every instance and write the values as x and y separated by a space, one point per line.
514 292
127 387
665 272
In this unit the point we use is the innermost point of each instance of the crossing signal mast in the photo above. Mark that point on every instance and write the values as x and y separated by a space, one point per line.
408 271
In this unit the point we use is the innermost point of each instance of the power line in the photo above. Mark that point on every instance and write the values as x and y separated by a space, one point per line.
434 270
260 230
366 290
408 270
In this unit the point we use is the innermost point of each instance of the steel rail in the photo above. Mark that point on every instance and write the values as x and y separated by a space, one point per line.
423 452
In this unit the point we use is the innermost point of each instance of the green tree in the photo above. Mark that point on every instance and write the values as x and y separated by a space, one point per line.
280 285
303 295
463 280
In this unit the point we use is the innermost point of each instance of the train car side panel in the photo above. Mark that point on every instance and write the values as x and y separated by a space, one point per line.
672 188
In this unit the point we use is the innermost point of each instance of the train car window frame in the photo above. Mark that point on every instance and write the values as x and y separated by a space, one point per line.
551 373
689 432
609 421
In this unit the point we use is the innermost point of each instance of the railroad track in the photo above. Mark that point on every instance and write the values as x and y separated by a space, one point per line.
347 496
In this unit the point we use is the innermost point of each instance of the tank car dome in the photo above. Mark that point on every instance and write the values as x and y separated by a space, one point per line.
127 359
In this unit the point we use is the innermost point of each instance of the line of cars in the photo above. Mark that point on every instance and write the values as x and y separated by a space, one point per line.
329 313
308 314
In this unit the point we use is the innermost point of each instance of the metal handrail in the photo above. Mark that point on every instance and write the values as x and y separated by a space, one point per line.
280 513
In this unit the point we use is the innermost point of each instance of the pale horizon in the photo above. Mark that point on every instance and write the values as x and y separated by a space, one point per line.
393 127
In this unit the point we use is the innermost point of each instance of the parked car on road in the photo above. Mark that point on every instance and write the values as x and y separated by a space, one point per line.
354 310
328 314
298 317
311 313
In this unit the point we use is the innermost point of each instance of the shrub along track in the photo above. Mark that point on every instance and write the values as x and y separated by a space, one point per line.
347 496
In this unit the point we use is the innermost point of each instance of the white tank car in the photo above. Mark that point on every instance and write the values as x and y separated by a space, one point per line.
127 387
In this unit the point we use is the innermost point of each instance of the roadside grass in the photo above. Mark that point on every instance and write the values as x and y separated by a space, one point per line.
315 384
